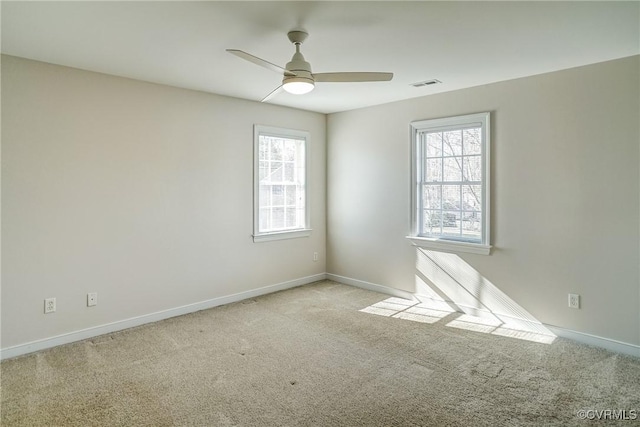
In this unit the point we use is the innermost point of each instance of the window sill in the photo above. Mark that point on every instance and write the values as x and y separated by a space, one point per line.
281 235
450 245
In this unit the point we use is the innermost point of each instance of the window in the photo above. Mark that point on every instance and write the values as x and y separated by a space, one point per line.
281 209
450 183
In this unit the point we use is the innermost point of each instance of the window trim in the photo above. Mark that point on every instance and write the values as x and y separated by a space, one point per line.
258 236
442 243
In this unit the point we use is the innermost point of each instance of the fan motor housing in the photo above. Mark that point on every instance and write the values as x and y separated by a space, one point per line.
298 64
301 76
301 68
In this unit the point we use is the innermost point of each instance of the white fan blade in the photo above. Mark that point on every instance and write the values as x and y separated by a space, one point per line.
272 94
259 61
352 77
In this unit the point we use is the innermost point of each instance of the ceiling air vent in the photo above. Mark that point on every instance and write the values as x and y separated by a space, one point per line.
426 83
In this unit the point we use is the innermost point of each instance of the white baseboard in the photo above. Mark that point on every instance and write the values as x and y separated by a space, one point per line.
18 350
581 337
371 286
594 340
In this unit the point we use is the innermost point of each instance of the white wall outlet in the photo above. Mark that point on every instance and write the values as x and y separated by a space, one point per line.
315 256
49 305
92 299
574 301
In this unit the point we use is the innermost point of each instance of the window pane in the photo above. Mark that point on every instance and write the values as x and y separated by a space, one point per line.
472 197
277 146
291 218
451 222
472 141
432 222
452 143
451 197
291 195
300 159
434 144
299 175
265 195
277 195
276 174
290 150
289 172
452 169
264 170
431 196
265 224
473 168
277 218
434 170
471 225
263 148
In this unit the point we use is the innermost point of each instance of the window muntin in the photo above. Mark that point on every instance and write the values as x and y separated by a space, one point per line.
280 187
450 179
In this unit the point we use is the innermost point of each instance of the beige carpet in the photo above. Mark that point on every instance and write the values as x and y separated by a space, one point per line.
309 357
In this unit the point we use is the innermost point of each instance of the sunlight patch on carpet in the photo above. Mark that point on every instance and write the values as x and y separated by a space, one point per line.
495 327
431 311
414 310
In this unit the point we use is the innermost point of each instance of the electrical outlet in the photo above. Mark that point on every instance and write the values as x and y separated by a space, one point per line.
49 305
315 256
92 299
574 301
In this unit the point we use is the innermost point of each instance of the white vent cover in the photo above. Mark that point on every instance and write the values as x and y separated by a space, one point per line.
426 83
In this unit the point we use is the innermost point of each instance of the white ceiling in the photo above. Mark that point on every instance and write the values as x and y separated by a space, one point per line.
183 44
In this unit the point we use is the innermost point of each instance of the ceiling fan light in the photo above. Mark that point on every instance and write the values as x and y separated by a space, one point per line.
298 86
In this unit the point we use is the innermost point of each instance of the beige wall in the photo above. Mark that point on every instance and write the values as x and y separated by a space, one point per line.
565 196
143 193
140 192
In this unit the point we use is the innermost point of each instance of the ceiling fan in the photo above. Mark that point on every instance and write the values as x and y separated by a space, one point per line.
297 76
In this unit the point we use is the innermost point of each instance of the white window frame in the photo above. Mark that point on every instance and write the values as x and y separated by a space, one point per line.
446 243
305 231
